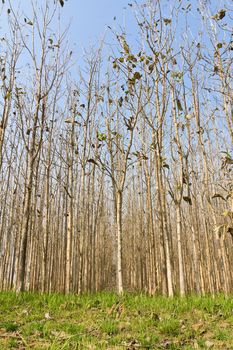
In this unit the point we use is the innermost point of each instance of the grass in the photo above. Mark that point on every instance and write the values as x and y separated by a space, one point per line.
105 321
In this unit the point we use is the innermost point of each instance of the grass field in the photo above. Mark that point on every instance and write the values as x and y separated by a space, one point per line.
105 321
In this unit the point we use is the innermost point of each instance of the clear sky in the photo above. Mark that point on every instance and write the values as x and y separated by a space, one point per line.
90 18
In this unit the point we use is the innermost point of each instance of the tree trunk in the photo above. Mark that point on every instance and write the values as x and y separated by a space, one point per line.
119 242
180 255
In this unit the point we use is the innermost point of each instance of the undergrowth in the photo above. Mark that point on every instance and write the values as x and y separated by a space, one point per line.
107 321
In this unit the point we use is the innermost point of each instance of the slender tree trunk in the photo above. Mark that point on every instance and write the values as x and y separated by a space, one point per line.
119 242
180 254
25 228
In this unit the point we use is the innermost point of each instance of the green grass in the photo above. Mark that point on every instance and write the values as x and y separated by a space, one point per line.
106 321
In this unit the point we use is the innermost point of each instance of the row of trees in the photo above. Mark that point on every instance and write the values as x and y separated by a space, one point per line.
119 177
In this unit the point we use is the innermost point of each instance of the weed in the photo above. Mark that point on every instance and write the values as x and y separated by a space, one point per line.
12 343
9 326
109 327
169 327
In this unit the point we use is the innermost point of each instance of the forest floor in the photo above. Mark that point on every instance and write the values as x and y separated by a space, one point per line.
105 321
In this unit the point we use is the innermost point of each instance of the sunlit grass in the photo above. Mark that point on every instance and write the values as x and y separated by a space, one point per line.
106 321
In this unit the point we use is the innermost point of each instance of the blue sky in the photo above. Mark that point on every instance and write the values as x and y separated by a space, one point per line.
90 18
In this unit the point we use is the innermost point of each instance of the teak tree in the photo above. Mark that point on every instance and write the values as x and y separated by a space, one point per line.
117 174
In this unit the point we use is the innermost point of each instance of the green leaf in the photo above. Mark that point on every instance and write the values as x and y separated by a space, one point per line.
101 137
